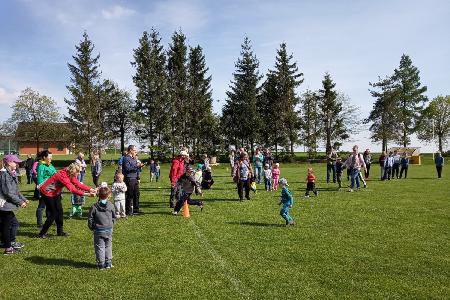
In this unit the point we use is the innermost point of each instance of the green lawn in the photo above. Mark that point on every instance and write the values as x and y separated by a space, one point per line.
390 240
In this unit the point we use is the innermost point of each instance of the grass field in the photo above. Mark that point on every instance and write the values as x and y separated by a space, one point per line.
390 240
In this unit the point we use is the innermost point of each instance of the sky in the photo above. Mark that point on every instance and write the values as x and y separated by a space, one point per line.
355 41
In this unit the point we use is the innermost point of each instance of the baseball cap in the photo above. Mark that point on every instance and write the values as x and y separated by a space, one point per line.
11 158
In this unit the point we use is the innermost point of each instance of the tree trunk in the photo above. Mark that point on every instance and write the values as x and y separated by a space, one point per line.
440 142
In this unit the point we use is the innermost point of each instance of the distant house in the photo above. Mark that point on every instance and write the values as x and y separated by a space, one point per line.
56 139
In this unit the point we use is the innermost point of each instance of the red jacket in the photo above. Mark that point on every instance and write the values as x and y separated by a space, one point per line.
177 169
53 186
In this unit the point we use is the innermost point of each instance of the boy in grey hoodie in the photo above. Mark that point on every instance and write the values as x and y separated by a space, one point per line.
101 221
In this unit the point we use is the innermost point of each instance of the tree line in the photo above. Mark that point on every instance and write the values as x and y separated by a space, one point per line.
172 106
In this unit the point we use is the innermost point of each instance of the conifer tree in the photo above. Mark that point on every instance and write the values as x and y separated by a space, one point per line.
270 132
288 79
150 80
118 112
410 98
242 96
84 105
201 124
383 114
178 91
334 125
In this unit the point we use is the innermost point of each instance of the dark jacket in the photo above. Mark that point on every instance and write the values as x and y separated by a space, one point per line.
101 217
130 169
188 184
9 192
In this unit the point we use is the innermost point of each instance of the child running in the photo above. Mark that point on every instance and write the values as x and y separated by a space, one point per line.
187 185
287 201
311 183
275 176
101 221
118 189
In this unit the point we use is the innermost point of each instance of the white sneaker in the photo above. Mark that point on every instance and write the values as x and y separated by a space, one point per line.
350 190
174 213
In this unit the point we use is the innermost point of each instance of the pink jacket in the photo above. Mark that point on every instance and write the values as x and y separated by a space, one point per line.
275 173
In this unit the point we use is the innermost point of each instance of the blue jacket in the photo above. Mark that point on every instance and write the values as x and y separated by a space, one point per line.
439 161
130 169
404 162
286 197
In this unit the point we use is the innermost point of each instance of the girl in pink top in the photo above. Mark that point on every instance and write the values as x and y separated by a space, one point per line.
275 175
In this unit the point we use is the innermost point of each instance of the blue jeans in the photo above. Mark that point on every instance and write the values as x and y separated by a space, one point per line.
354 175
75 199
284 213
258 172
268 183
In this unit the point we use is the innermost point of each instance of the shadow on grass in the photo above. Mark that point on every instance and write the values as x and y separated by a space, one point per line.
256 224
143 189
219 200
163 213
39 260
28 233
154 204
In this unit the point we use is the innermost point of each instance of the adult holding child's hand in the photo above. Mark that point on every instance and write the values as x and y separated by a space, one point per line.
51 192
10 200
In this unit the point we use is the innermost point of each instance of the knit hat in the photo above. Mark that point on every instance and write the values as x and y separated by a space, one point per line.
283 181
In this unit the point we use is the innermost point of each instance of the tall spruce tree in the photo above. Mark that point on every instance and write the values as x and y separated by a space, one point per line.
288 78
118 112
434 123
310 123
84 106
242 96
201 125
332 114
410 98
178 91
151 83
383 114
270 133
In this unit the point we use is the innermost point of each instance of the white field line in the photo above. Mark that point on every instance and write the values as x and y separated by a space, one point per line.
220 264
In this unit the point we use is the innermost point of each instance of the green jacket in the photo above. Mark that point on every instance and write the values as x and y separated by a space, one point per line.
44 172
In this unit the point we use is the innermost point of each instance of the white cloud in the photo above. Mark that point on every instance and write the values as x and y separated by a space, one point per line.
8 97
188 16
117 12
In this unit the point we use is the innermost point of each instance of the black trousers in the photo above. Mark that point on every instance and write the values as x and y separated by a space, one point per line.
95 180
173 197
395 170
244 185
185 197
404 169
310 186
439 171
8 221
132 196
54 214
367 171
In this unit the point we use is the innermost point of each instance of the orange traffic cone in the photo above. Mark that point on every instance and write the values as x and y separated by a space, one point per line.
186 213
